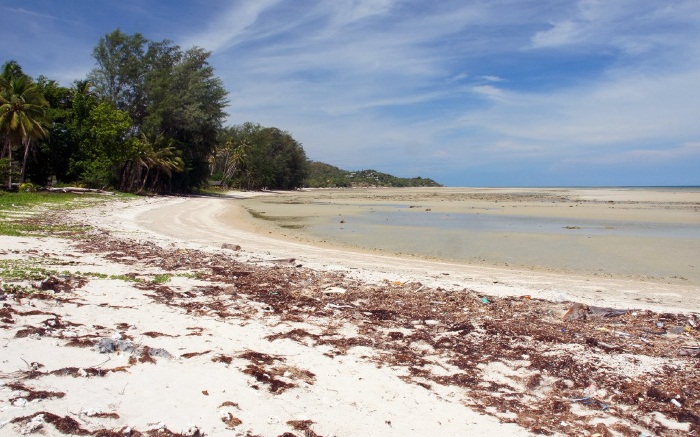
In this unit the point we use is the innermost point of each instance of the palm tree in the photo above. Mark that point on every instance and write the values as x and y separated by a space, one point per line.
166 160
152 157
22 117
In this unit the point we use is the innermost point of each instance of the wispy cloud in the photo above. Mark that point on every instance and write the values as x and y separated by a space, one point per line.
36 14
452 87
232 26
645 157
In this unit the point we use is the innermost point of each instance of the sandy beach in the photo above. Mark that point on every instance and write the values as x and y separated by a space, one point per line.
589 278
189 316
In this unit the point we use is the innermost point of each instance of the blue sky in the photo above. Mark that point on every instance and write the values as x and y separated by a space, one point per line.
468 92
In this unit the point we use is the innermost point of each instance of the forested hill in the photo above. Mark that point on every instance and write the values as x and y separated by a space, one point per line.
323 175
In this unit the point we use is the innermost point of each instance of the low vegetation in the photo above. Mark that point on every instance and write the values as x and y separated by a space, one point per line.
25 213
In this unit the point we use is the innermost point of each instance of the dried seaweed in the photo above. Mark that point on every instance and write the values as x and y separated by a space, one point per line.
65 424
33 394
222 359
563 349
32 330
231 421
153 334
86 342
189 355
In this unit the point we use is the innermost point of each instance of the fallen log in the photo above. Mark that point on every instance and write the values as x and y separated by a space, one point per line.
78 190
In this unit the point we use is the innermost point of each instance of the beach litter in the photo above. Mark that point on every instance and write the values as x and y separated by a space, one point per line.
587 400
230 246
517 359
109 345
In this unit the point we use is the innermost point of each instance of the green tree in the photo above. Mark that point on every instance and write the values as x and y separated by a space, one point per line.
191 113
52 154
153 158
267 158
105 147
22 115
229 161
121 71
164 90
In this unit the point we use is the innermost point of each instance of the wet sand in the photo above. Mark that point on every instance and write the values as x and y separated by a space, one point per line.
650 235
170 305
212 221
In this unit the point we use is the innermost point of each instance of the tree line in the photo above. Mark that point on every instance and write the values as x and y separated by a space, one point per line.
322 175
148 117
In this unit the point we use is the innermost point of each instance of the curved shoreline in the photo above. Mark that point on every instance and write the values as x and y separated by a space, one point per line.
206 222
348 343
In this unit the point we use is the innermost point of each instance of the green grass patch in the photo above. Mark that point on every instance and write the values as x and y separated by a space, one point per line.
21 270
28 213
126 278
162 279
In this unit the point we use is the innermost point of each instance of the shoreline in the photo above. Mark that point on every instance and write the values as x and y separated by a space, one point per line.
228 221
146 324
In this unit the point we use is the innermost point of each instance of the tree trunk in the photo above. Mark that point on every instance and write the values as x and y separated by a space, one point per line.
9 167
145 179
24 160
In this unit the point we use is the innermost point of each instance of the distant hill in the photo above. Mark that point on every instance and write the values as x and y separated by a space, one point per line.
323 175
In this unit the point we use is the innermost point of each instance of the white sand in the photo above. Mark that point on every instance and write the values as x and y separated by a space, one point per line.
209 223
348 395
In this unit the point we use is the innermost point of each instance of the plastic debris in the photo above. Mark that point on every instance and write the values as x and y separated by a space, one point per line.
485 301
159 352
580 311
587 400
109 345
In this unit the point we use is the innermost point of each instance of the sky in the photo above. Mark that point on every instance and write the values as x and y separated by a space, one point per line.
467 92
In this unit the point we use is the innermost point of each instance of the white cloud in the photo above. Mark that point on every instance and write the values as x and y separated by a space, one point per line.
452 85
632 27
490 91
37 15
346 12
491 78
654 156
232 26
562 33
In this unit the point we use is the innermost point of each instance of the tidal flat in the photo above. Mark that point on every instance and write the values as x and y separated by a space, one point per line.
641 233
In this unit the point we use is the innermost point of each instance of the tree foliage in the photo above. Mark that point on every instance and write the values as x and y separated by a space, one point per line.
23 118
325 175
120 73
104 147
148 117
253 157
168 93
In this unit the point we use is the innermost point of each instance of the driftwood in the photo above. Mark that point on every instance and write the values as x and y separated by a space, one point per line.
277 260
77 190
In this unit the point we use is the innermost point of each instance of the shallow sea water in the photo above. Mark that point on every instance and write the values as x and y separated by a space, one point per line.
639 249
478 230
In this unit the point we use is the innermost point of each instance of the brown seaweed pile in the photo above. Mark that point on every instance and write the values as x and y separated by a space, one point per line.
551 367
581 363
